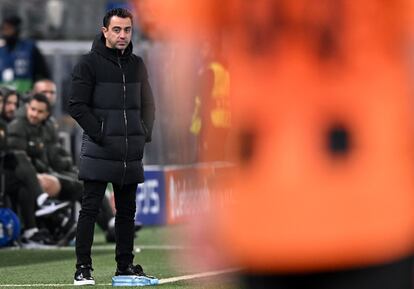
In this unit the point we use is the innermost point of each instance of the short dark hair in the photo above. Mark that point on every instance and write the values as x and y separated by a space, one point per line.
7 92
13 20
120 12
40 97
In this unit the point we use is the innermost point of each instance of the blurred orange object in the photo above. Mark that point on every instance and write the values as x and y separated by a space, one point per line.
322 113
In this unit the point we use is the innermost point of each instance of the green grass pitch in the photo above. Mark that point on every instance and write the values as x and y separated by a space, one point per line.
21 268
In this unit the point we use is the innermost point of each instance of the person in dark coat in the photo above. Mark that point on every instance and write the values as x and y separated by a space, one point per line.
112 101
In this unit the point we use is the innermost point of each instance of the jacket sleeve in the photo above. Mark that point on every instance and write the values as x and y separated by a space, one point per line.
19 140
82 87
16 145
16 136
60 160
147 106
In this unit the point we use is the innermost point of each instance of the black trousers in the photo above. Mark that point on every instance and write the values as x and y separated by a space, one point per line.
72 190
22 199
22 187
394 275
124 221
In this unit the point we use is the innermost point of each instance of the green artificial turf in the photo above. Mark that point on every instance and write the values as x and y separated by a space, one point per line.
56 266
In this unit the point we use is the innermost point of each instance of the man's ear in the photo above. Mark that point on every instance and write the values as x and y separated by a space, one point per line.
104 30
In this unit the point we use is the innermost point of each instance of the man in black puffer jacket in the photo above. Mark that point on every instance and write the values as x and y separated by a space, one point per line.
111 99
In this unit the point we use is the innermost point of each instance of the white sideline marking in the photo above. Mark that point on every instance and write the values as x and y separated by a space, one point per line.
199 275
162 281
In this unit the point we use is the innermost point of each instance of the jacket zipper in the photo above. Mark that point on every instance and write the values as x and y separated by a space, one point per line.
125 122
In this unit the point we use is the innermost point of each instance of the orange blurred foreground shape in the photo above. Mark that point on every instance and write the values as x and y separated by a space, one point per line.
324 134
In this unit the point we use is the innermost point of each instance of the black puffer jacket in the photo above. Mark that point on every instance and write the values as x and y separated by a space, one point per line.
111 99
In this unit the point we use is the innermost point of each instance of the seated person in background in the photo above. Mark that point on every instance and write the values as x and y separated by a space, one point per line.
30 134
33 134
10 104
48 88
22 188
60 158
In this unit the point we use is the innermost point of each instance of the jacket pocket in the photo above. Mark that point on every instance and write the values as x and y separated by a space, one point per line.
98 136
102 130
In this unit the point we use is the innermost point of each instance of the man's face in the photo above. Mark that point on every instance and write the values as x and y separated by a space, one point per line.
10 107
8 30
118 34
48 88
36 112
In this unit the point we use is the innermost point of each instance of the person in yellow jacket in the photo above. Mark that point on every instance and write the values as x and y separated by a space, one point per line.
211 119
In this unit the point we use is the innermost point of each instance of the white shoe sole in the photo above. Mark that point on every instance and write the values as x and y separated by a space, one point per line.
83 282
51 209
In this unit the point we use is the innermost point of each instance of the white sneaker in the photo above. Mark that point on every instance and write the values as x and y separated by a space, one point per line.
83 276
50 207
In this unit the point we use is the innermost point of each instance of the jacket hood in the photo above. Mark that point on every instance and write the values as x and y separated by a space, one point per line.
113 54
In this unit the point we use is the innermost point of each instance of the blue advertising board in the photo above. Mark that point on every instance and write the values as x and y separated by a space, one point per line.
151 200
